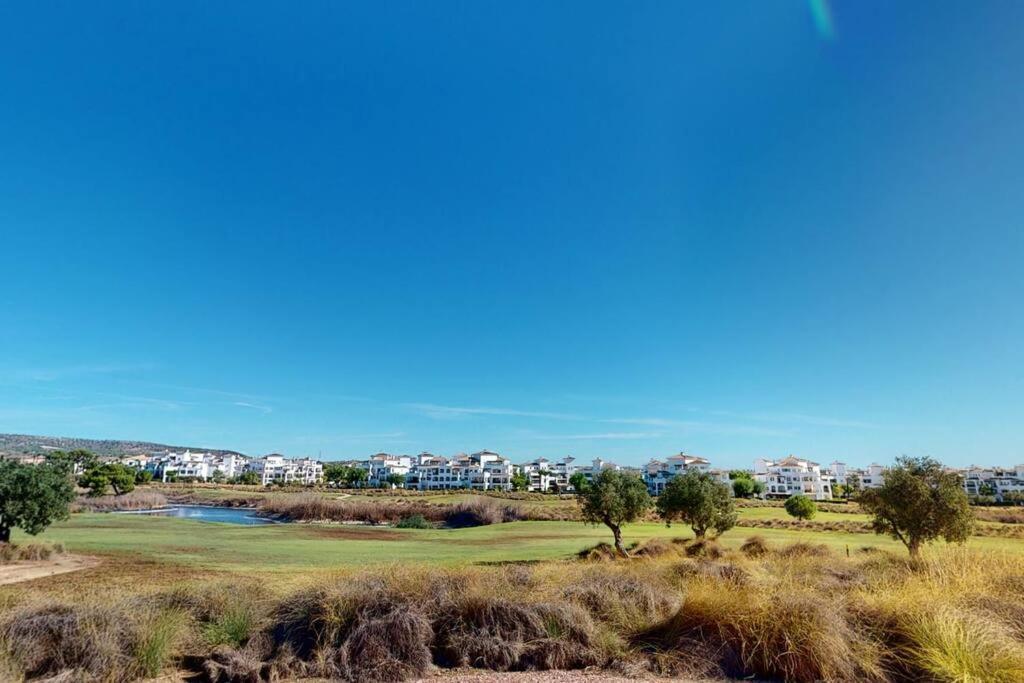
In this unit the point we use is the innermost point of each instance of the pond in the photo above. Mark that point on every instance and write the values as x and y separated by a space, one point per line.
208 513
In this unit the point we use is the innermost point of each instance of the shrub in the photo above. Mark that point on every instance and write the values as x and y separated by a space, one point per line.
232 627
801 507
31 552
158 639
953 647
479 512
416 521
755 546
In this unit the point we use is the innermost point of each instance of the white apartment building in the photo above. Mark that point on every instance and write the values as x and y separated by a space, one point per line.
870 477
598 465
993 481
190 465
791 476
657 473
181 465
277 468
482 471
383 465
549 475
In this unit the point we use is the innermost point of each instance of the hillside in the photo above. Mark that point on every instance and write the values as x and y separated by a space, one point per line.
24 444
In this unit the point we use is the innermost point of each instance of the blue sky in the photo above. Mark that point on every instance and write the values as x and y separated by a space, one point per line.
599 229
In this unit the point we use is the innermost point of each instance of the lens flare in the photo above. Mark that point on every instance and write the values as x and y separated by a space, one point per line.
822 14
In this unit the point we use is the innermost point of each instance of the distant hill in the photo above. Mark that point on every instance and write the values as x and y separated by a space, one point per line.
26 445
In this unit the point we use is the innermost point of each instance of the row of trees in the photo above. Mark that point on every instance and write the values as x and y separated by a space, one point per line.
919 502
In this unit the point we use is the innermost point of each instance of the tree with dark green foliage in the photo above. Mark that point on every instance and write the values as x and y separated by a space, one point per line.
578 482
67 460
919 502
853 485
248 478
700 500
356 477
743 487
614 498
32 497
108 475
334 472
801 507
143 476
396 480
519 482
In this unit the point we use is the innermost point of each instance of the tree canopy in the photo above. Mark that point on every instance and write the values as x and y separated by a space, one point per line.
99 478
698 499
800 506
578 482
32 497
67 460
614 498
919 502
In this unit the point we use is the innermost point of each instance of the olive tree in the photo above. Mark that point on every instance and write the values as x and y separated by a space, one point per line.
919 502
614 498
32 497
800 506
700 500
119 477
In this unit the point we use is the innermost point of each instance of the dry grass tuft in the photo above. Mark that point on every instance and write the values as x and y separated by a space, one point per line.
755 546
29 552
135 500
707 548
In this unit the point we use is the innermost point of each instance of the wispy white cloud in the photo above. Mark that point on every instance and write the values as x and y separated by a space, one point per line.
52 374
255 406
600 435
441 412
701 426
350 437
816 420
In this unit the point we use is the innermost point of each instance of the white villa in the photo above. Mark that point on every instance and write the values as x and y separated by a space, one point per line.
274 468
993 481
657 473
792 475
383 465
483 471
190 465
870 477
549 475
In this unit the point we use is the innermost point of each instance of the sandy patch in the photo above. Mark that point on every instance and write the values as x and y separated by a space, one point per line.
16 572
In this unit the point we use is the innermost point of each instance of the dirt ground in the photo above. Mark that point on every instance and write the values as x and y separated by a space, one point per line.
27 570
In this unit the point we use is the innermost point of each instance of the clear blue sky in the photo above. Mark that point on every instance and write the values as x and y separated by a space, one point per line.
599 229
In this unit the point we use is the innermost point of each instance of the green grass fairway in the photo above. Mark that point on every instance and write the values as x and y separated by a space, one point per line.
288 548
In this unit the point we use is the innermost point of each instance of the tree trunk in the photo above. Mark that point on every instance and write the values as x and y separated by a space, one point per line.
5 534
915 549
617 532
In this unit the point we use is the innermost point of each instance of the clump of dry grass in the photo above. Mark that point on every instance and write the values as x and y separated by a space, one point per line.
755 546
315 508
10 552
135 500
795 613
629 604
801 549
481 512
702 547
602 552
